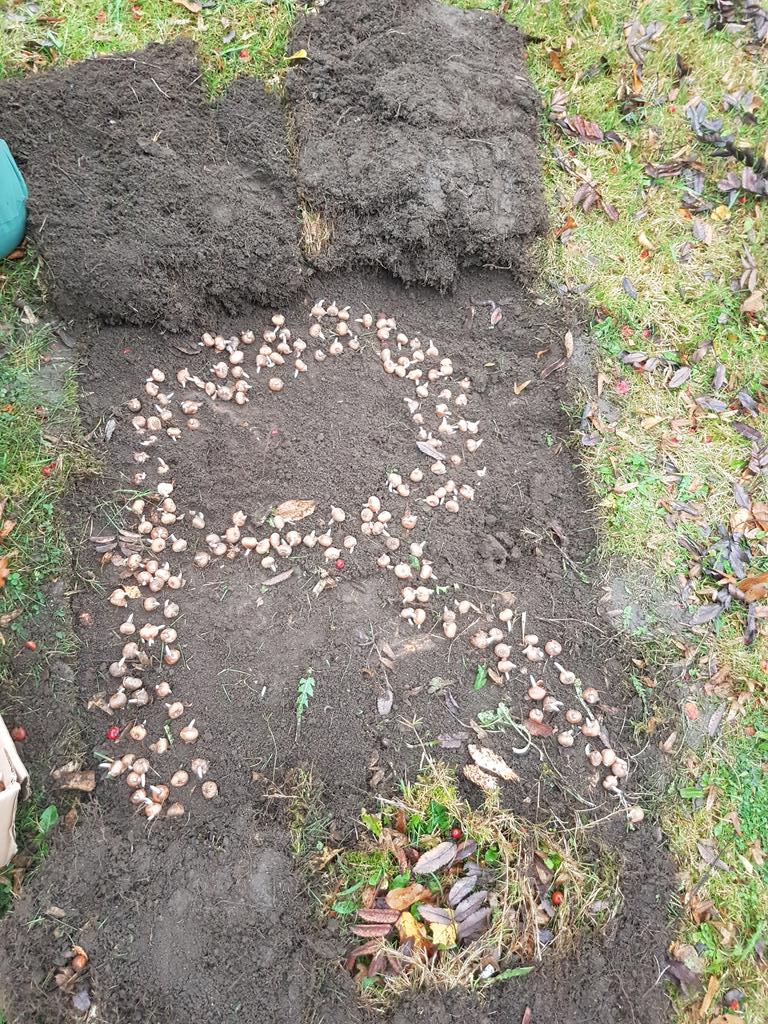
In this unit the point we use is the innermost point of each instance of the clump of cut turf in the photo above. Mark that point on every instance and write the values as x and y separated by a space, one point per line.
436 893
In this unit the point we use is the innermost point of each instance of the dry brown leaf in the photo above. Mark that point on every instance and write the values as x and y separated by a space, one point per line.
7 619
193 6
489 761
402 899
4 570
709 995
480 778
6 528
371 931
754 588
760 514
520 388
754 303
378 915
277 579
295 509
568 344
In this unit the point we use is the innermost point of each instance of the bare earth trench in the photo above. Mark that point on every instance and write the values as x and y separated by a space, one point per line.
162 219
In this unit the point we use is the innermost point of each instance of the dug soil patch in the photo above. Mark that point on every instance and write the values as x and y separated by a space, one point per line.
150 204
332 535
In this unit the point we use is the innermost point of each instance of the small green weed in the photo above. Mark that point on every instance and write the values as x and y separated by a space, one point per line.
34 823
304 694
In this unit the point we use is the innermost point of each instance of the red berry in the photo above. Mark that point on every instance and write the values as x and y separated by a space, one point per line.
18 734
734 1004
113 732
46 470
30 645
456 832
340 563
557 898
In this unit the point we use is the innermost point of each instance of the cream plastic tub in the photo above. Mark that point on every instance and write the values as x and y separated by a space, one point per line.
13 779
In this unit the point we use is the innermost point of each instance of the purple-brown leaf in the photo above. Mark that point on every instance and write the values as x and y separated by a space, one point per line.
371 931
472 903
440 857
461 889
378 915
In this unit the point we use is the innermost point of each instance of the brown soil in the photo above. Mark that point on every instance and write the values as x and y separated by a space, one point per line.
203 918
419 156
150 204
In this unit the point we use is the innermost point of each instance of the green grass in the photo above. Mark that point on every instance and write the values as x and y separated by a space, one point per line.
35 820
235 37
37 456
724 800
642 424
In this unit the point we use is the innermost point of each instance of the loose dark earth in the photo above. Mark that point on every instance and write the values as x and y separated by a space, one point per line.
160 219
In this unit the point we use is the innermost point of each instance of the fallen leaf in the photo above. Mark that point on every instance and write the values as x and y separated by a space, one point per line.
372 931
385 702
709 995
295 509
754 588
474 924
409 928
298 55
378 915
520 388
193 6
461 889
679 377
538 728
568 344
439 857
452 740
490 761
4 570
281 576
469 905
429 451
405 897
365 950
444 935
753 304
480 778
434 915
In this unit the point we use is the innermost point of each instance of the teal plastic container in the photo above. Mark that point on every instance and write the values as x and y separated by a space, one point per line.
13 202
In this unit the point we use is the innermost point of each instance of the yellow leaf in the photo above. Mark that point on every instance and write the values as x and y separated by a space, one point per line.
409 928
298 55
443 934
721 213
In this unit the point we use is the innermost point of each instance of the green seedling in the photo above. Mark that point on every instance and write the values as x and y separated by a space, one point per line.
304 694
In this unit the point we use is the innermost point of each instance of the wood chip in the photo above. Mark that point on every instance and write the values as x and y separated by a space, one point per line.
489 761
480 778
